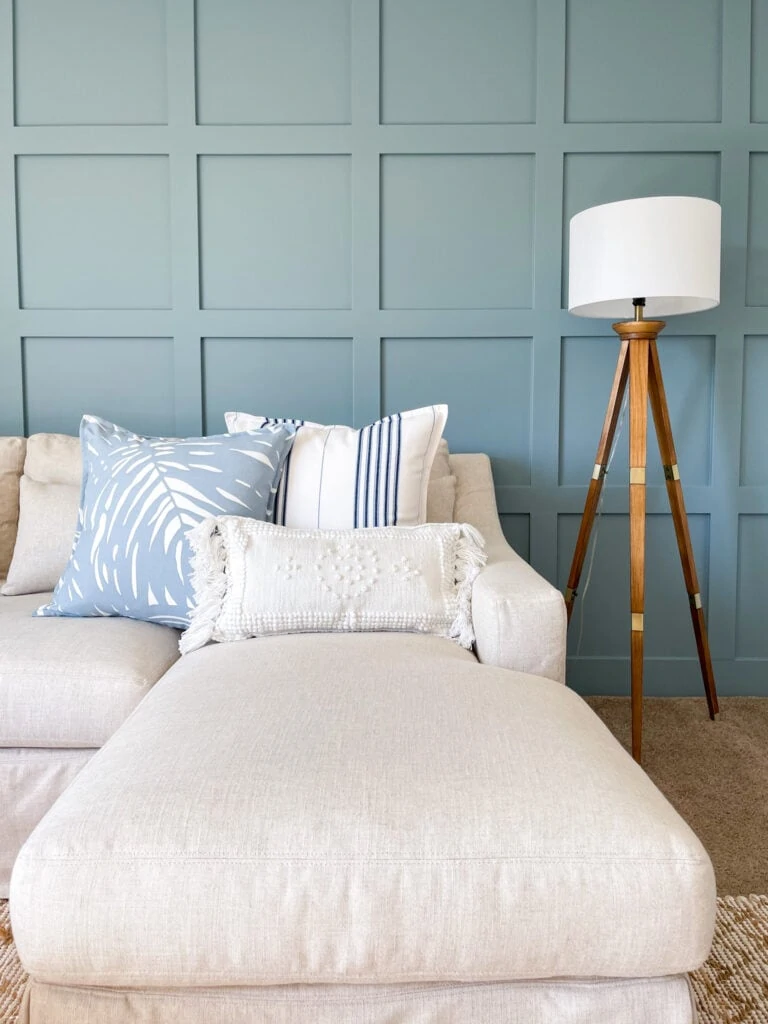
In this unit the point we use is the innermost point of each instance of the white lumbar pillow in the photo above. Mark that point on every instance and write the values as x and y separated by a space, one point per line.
256 579
338 477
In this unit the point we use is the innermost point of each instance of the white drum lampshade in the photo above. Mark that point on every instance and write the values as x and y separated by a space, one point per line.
665 249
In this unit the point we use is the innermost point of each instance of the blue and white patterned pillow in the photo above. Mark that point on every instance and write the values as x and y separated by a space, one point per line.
139 498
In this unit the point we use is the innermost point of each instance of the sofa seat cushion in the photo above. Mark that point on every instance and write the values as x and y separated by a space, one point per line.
366 808
72 682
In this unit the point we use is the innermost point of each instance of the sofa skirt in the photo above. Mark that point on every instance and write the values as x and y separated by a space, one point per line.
31 780
599 1001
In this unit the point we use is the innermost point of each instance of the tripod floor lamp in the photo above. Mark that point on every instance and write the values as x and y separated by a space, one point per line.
660 256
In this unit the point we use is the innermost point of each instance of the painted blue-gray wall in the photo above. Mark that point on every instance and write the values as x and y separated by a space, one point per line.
337 208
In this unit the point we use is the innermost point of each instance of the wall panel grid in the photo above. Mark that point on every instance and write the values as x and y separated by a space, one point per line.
333 208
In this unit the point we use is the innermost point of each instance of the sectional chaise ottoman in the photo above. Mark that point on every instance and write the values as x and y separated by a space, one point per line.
370 828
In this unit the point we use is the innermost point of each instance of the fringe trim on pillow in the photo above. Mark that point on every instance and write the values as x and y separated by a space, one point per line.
209 581
470 559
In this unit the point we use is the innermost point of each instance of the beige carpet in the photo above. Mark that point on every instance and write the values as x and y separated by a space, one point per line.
731 988
715 774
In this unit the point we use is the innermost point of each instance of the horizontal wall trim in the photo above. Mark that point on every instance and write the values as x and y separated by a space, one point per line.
428 323
621 137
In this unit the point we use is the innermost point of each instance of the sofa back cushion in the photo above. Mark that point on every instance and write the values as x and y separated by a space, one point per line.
47 495
12 451
441 493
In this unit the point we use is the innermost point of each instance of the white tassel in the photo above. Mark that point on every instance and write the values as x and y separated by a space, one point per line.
470 559
209 581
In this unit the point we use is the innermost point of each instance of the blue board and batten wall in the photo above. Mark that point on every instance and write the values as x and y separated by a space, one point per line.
339 208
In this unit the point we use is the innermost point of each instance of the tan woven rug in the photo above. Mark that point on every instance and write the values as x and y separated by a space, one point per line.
731 987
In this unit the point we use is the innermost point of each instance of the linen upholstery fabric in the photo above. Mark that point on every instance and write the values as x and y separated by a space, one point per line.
440 500
139 497
70 683
31 780
48 503
441 491
519 618
54 459
367 808
47 524
256 579
11 462
338 478
637 1001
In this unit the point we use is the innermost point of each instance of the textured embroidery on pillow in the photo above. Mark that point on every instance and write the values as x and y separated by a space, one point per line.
139 498
257 579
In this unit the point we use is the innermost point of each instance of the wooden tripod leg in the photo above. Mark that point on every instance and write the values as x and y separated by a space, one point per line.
638 437
680 519
598 474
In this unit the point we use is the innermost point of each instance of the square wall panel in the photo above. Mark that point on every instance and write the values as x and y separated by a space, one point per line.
458 63
517 530
655 61
275 232
587 368
757 238
273 61
93 232
486 383
759 83
752 591
90 62
457 231
754 413
593 178
126 380
299 378
604 605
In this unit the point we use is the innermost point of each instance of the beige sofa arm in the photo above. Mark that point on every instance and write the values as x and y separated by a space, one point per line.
519 618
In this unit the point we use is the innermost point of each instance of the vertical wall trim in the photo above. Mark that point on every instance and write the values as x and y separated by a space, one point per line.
185 282
365 64
11 377
548 233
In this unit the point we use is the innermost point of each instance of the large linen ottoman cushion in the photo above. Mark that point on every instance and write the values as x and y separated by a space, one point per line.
68 682
368 808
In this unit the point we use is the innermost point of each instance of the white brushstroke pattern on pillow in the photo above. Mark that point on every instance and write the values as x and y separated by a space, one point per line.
140 497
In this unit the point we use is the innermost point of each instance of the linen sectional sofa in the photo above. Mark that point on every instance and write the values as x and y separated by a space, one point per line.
332 828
